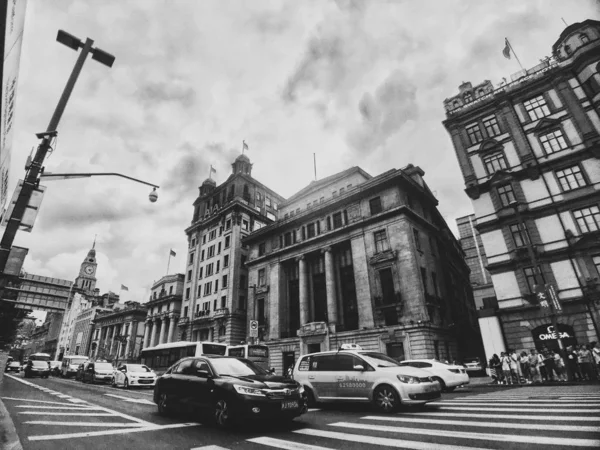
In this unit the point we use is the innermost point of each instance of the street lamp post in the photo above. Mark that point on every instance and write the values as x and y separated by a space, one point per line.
35 168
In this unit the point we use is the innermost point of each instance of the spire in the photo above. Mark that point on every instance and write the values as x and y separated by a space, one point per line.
94 245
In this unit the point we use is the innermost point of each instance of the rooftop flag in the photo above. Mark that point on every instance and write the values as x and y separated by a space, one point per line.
124 288
172 253
506 51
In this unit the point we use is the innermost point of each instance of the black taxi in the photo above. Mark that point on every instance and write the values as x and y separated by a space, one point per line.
228 389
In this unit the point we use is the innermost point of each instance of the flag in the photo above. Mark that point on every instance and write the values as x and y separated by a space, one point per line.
124 288
212 169
506 51
172 253
245 146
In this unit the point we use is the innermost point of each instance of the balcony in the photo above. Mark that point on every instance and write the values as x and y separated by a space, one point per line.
203 314
221 312
183 321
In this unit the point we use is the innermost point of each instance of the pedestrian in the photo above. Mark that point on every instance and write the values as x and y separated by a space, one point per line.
534 366
586 363
596 355
493 365
524 361
549 364
572 363
515 367
559 367
542 366
505 359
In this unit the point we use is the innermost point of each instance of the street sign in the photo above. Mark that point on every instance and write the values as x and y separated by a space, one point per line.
254 328
553 297
541 296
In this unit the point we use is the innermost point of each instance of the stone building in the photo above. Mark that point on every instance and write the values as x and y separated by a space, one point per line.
83 328
529 153
118 334
216 284
54 321
164 321
366 260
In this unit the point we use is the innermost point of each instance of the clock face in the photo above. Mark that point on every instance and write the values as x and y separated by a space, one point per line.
89 270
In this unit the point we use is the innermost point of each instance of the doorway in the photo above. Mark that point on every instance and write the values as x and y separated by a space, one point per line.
313 348
289 359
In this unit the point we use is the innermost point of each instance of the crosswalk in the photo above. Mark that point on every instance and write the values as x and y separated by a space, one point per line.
566 417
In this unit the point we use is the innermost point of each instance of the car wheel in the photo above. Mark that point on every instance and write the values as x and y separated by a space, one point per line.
442 384
113 382
163 405
310 398
451 389
386 399
222 413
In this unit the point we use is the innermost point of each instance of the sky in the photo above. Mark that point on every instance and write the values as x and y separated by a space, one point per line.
357 83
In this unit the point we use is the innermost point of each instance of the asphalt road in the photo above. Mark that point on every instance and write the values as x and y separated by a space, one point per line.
56 413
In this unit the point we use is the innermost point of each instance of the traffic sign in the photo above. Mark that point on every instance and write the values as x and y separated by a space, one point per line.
254 328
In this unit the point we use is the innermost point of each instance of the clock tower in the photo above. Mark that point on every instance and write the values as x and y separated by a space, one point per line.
86 280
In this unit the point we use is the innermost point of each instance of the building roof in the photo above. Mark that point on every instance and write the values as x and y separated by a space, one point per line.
169 279
572 28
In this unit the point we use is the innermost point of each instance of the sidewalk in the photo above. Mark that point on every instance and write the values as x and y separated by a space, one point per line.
9 440
483 382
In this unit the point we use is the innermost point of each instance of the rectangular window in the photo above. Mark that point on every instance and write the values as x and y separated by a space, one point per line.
207 288
199 290
245 225
224 301
337 220
191 261
226 261
386 279
228 224
532 278
342 190
202 256
260 314
227 241
381 242
216 288
424 279
310 230
219 249
215 303
213 235
261 277
268 201
506 194
520 234
204 239
570 178
243 282
200 273
537 107
209 270
261 249
224 283
494 162
417 239
553 141
193 242
287 239
375 205
491 126
189 277
588 219
187 293
218 266
474 133
211 251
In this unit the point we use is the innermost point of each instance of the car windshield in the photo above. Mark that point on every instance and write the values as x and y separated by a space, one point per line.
39 363
138 368
104 366
381 359
77 361
15 364
236 367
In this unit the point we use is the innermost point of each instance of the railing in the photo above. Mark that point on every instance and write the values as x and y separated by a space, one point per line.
183 321
202 313
221 312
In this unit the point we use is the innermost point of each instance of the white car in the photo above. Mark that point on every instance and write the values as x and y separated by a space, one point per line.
449 376
127 375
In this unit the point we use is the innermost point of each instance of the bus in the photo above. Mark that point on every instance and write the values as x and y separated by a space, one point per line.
162 356
257 353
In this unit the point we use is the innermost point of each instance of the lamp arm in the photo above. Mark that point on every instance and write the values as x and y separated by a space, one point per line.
65 176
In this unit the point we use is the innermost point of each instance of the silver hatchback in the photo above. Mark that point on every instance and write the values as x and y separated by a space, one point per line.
364 376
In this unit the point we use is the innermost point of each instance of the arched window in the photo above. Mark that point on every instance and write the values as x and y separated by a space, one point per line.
480 93
468 97
584 38
456 104
568 49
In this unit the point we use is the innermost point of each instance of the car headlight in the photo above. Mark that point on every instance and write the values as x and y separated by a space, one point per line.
301 390
408 379
244 390
133 376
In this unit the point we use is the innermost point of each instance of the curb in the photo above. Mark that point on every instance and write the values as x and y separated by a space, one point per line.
9 439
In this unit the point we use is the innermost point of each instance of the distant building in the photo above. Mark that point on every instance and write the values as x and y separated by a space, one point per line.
365 260
164 321
83 327
529 152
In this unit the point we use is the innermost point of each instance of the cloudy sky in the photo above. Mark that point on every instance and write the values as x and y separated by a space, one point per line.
356 82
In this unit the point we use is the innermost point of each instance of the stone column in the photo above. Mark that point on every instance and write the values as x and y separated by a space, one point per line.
128 339
362 282
304 311
171 329
112 338
147 334
163 330
153 335
330 288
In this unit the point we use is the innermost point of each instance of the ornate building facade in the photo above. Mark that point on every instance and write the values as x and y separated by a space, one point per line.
164 320
529 151
361 259
216 284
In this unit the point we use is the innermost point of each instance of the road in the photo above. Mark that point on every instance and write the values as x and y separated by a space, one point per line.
61 414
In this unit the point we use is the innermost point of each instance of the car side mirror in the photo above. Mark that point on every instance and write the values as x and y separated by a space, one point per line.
202 373
359 367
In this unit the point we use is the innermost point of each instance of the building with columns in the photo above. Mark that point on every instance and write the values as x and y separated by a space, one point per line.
83 329
216 280
361 259
118 334
164 321
529 151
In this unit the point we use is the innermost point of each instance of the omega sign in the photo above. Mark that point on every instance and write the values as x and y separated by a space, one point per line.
551 334
546 336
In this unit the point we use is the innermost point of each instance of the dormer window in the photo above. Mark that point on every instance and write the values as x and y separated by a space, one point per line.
456 104
584 38
468 97
568 49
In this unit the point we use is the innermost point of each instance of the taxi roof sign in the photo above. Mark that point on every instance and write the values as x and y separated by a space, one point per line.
350 347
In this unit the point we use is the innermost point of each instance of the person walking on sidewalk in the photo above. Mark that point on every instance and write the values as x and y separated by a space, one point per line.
572 362
494 365
505 359
586 363
596 355
515 367
524 361
549 364
534 367
559 367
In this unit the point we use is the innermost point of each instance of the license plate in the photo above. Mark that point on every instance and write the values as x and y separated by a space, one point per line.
431 388
290 404
107 378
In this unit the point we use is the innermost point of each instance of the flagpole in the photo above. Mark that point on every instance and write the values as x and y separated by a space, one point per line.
243 146
169 262
315 164
513 51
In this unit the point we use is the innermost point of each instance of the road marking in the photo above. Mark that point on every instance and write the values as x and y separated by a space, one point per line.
280 443
73 407
50 437
38 401
50 413
540 410
522 439
141 401
544 417
313 409
210 447
388 442
85 424
518 400
473 423
506 403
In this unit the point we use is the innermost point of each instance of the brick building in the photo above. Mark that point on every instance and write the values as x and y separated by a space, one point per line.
529 153
361 259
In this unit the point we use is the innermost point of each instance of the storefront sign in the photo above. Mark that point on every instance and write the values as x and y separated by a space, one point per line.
546 336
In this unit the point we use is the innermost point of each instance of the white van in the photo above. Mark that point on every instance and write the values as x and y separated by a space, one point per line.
70 363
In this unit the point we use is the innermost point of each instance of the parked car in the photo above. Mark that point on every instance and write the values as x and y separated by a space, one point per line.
474 365
13 366
37 369
354 375
449 376
97 372
228 389
129 375
70 364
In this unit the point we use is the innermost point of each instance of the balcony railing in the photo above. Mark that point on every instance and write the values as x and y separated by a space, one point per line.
183 321
202 314
389 300
221 312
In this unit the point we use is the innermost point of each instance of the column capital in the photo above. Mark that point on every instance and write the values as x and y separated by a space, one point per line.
326 250
300 258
